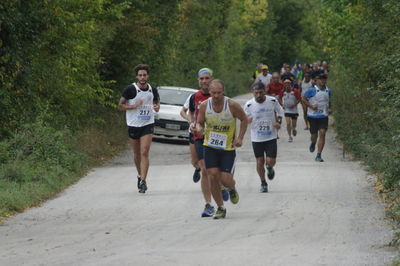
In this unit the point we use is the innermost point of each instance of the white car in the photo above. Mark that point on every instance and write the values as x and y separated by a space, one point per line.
168 123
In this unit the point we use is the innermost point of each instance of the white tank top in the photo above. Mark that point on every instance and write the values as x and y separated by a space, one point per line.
305 86
321 99
289 99
143 115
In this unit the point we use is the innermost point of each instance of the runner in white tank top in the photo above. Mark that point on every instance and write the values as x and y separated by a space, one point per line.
291 98
318 99
140 100
142 115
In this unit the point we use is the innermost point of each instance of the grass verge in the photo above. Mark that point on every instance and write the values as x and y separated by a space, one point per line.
39 161
368 126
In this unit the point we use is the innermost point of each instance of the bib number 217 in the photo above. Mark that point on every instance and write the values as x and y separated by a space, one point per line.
144 112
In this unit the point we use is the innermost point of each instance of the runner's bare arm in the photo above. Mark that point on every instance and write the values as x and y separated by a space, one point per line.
306 102
249 117
156 105
123 104
201 117
190 117
238 112
280 101
184 114
279 115
301 87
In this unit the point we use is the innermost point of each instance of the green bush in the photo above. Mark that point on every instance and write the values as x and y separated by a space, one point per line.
36 162
362 38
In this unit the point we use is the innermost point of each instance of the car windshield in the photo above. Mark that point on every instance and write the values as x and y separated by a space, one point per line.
173 97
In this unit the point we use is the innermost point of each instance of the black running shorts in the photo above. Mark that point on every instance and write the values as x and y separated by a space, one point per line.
317 124
221 159
198 144
269 148
137 132
293 116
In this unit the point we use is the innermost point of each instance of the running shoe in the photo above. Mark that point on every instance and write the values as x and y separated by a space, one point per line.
138 182
312 147
290 139
208 211
264 188
221 213
294 132
234 196
225 194
196 175
270 173
143 186
319 159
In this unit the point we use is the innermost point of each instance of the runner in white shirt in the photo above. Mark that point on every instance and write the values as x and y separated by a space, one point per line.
140 100
193 154
318 100
264 77
265 115
290 98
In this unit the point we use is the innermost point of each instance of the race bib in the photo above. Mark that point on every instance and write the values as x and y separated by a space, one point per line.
321 109
217 140
144 112
264 128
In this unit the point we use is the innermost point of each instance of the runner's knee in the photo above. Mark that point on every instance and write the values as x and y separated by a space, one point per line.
144 152
260 161
212 174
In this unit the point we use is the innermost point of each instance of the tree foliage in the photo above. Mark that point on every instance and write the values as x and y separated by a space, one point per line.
72 58
65 62
50 52
362 40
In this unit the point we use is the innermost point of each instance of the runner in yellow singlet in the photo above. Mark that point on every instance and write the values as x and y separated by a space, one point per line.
218 116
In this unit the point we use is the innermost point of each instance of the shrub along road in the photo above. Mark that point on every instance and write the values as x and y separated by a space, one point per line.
315 213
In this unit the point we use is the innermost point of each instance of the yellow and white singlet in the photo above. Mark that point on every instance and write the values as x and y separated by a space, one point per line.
220 127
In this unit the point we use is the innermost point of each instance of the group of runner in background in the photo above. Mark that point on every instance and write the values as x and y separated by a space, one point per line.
305 84
212 117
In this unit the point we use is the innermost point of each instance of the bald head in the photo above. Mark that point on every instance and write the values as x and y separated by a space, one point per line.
275 77
217 89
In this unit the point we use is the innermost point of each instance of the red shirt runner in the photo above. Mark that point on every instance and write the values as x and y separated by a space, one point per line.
194 104
275 88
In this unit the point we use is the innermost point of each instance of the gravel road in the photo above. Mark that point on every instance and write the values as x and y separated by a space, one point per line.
315 214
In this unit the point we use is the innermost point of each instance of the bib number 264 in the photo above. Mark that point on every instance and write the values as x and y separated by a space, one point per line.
217 140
